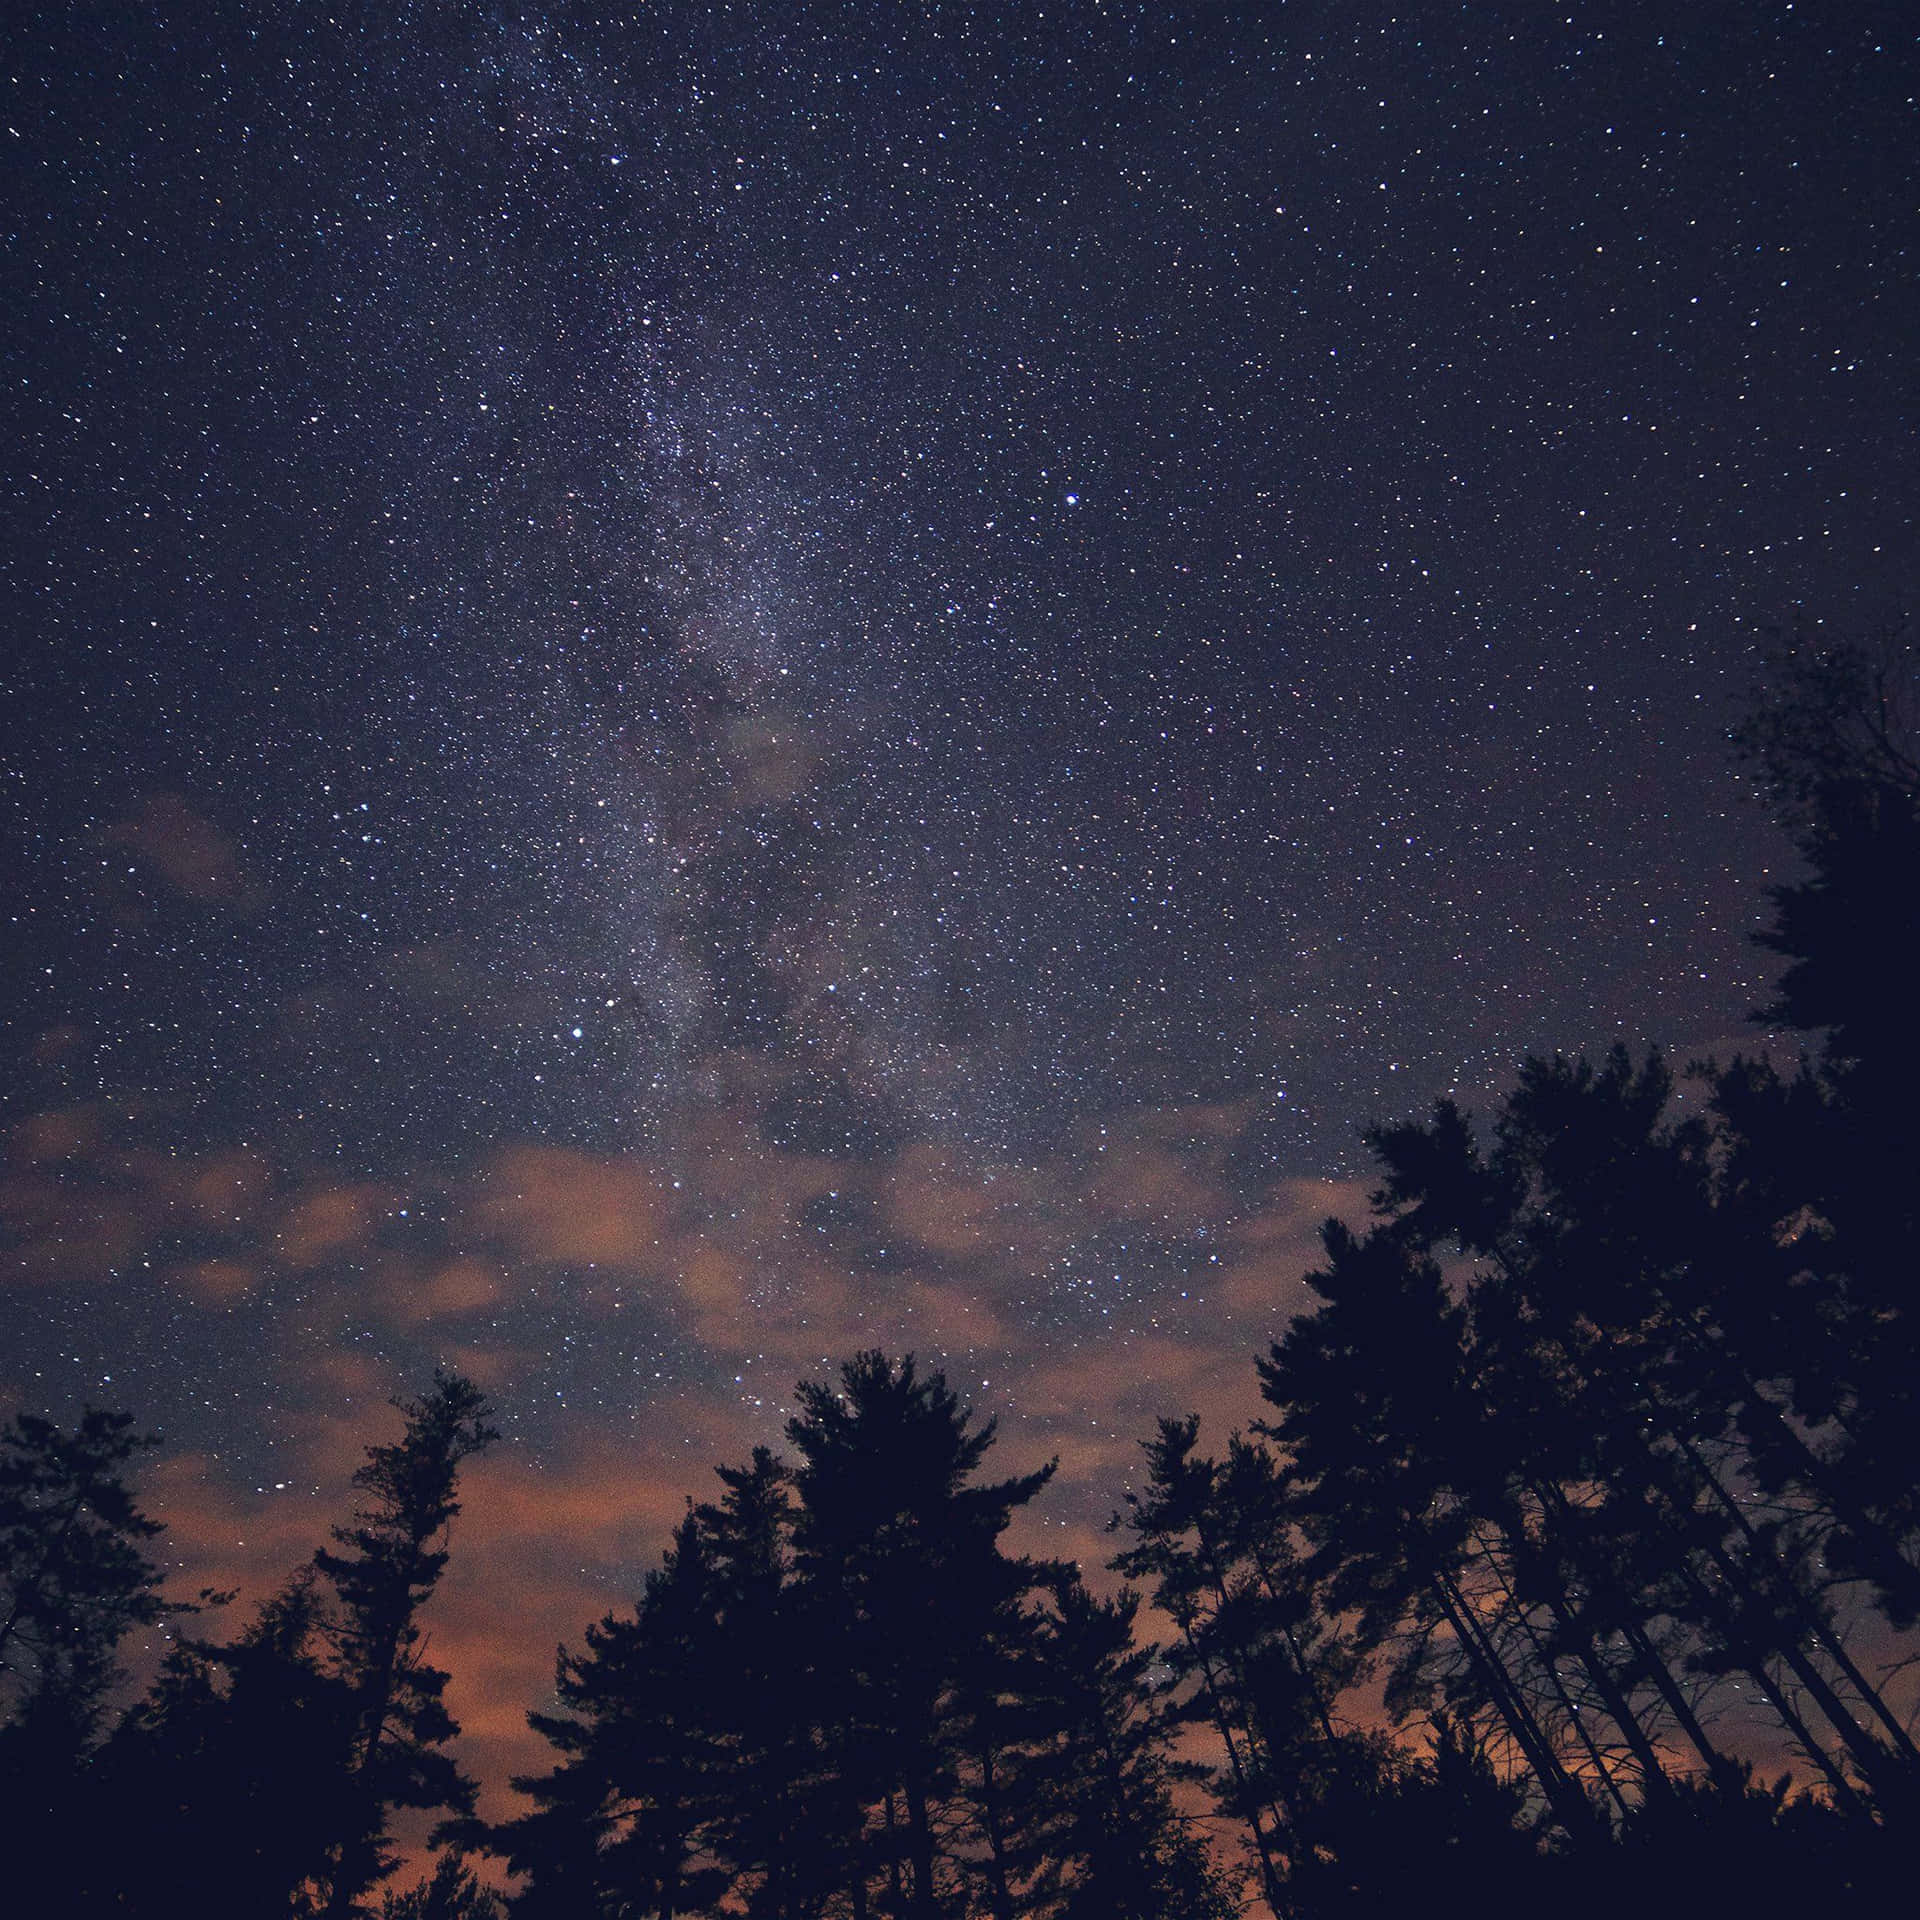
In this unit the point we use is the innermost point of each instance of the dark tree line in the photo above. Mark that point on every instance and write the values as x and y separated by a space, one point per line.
1588 1478
839 1695
259 1774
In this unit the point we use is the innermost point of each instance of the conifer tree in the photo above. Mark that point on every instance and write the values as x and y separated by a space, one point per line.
382 1569
74 1575
228 1778
1820 1163
897 1553
75 1579
677 1783
1106 1837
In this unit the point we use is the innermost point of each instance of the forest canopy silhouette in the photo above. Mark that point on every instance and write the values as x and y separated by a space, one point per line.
1587 1478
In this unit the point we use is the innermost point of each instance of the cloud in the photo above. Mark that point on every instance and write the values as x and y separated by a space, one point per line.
218 1283
62 1133
566 1208
188 851
325 1222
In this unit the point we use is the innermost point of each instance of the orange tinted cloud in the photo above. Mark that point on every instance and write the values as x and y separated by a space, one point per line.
565 1208
964 1211
227 1189
461 1286
187 850
62 1133
217 1283
67 1231
328 1221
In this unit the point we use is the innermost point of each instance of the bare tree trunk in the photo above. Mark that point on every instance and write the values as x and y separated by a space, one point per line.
998 1887
1753 1664
1568 1803
1269 1873
920 1839
1782 1583
1657 1671
1551 1669
1670 1690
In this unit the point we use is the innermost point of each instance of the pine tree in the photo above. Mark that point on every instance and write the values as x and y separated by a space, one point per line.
1821 1162
450 1892
630 1819
230 1778
1104 1833
1378 1412
903 1580
75 1579
382 1570
74 1575
1625 1402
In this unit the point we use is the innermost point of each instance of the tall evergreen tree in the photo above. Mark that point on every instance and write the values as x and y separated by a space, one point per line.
230 1779
74 1575
382 1569
897 1551
1821 1162
1378 1410
619 1821
75 1579
1105 1838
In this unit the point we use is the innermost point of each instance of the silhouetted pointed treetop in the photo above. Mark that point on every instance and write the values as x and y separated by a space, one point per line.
74 1575
1835 728
383 1567
1836 744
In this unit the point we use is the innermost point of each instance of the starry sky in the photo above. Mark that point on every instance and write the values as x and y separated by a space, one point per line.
691 687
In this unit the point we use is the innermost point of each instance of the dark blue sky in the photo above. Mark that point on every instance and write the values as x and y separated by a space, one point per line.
712 660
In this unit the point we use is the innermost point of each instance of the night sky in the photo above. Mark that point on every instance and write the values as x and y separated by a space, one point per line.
691 688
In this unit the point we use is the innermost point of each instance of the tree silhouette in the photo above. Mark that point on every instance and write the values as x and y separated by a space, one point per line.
632 1817
1820 1163
74 1577
899 1563
1378 1408
230 1779
1104 1838
815 1702
74 1580
389 1560
450 1892
1611 1409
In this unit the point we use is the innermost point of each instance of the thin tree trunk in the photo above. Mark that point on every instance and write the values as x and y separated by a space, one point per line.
1269 1874
1718 1765
894 1885
1653 1776
1802 1735
1817 1629
920 1839
1568 1803
1656 1668
1753 1664
1879 1766
1551 1669
997 1884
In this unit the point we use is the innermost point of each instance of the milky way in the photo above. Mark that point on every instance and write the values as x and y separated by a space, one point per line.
691 687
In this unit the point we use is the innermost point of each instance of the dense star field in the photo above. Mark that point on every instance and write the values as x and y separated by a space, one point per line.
690 689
